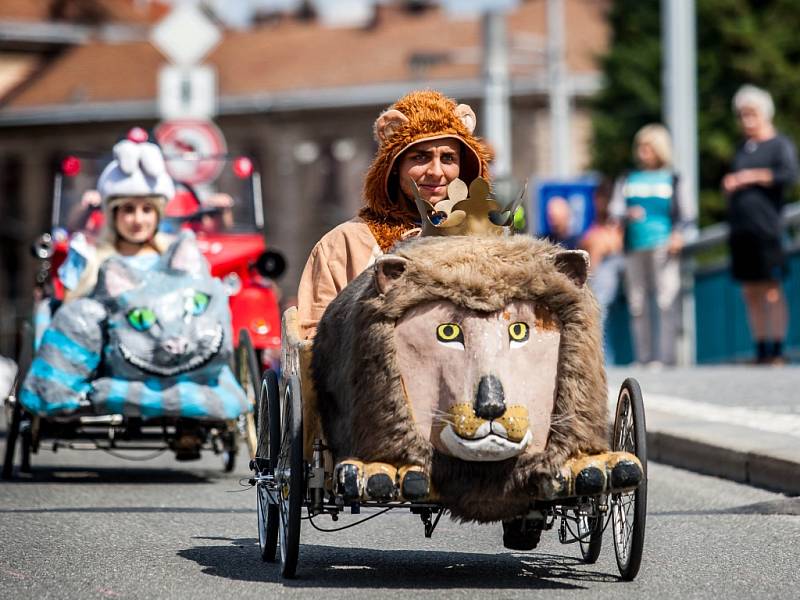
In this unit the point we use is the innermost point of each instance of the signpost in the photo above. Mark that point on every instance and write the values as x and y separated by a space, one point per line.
190 146
186 89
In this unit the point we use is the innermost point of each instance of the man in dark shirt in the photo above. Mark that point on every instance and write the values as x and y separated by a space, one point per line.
764 167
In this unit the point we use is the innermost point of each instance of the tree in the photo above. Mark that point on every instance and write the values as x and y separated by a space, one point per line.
738 42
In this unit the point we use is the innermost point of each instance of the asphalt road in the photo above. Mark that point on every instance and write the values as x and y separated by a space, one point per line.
161 529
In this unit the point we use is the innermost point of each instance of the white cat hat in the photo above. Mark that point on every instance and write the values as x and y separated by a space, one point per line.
138 169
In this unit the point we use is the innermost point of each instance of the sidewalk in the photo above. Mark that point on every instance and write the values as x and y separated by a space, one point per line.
739 423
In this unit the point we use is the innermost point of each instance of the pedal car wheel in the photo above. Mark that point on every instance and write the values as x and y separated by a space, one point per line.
590 531
268 410
629 509
249 375
290 476
16 415
11 440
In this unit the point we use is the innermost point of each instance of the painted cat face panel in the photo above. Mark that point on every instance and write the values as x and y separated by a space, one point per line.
168 321
481 385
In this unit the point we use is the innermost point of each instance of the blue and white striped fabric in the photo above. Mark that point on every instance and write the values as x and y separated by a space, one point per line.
148 344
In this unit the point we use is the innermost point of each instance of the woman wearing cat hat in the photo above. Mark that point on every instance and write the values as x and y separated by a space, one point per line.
424 137
134 188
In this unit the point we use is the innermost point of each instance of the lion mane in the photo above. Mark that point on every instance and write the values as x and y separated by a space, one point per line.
361 399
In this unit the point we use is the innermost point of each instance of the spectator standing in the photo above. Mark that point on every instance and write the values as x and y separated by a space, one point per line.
646 201
764 166
603 242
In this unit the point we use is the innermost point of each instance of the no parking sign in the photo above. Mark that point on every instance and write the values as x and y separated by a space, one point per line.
194 149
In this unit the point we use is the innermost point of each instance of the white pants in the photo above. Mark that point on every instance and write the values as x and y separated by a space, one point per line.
650 273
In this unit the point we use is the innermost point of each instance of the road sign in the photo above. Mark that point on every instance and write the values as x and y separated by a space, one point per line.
185 35
190 147
187 92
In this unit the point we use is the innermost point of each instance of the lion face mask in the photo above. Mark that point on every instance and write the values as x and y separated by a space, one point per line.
481 385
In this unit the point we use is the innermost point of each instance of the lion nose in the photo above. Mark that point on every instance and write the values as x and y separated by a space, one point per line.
490 402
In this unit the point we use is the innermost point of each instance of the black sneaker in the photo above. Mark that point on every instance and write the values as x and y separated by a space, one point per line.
522 533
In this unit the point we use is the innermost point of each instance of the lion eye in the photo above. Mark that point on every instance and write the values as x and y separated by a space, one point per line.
450 334
518 333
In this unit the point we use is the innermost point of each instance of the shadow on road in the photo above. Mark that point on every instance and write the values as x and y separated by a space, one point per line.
111 475
337 567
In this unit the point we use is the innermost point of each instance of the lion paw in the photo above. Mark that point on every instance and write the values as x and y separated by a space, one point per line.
357 480
609 472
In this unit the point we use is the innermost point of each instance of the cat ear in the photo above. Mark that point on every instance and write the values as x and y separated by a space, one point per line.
574 264
184 255
115 278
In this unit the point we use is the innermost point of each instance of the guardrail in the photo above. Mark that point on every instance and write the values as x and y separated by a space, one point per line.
707 239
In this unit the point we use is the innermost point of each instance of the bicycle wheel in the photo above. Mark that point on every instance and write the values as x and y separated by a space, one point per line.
590 531
290 476
629 509
248 373
267 449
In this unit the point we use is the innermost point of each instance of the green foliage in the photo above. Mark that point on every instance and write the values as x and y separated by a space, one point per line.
738 42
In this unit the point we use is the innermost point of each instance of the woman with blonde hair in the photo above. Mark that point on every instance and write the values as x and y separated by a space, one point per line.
134 188
646 201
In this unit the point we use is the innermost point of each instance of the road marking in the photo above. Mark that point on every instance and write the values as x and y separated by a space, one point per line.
752 418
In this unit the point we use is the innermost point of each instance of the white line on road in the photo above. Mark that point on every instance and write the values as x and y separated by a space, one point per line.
753 418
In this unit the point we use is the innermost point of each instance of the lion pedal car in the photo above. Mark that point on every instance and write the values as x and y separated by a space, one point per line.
461 375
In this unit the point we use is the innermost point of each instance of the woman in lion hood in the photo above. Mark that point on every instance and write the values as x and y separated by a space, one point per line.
424 137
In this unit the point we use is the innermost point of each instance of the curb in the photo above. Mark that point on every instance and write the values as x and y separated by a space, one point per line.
739 454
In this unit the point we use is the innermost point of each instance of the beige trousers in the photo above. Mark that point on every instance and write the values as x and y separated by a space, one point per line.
653 275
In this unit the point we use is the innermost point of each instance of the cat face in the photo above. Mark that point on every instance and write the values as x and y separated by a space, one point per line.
169 334
165 322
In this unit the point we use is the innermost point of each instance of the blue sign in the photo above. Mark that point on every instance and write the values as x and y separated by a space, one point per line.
576 200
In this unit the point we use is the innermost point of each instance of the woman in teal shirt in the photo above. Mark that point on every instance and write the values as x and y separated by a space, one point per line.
646 201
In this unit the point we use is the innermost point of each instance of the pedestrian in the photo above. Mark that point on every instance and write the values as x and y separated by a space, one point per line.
424 138
603 242
559 223
763 168
646 201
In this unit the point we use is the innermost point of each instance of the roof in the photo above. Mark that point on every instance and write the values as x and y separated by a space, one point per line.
289 56
84 11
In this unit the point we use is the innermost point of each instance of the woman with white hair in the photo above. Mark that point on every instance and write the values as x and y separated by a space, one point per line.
763 168
646 201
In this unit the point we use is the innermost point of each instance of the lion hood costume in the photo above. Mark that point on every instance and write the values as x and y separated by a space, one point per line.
386 217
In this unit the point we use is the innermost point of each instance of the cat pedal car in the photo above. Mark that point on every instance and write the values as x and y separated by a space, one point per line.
139 398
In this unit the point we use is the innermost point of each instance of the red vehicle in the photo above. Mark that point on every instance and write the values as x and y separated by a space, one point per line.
227 216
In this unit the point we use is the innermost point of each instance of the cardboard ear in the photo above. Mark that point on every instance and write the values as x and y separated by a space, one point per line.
115 278
184 255
467 116
388 123
388 271
574 264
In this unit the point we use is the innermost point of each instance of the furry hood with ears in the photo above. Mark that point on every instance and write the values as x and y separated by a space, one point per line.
418 116
361 398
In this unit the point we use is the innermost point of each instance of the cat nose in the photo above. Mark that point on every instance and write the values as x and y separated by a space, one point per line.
176 346
490 401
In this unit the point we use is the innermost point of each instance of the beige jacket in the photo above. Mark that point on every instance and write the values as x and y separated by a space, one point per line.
338 258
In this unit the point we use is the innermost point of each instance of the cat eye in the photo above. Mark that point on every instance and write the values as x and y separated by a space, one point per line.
200 302
141 319
450 334
518 334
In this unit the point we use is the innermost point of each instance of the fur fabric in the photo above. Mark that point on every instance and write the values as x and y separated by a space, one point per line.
361 399
427 115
